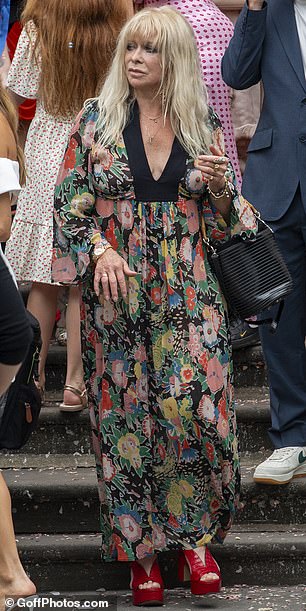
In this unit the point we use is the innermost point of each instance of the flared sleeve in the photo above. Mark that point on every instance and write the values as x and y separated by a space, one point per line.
24 73
76 222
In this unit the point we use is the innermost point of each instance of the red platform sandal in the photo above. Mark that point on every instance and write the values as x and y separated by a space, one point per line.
191 568
148 597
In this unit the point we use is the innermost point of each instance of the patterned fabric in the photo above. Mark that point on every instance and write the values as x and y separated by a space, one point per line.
213 31
158 364
29 248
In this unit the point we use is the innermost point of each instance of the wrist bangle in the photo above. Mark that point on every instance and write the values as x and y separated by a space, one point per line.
224 192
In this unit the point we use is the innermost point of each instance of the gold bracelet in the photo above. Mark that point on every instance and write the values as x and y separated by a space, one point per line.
219 194
99 250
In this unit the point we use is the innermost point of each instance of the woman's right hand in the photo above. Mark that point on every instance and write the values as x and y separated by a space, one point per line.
110 273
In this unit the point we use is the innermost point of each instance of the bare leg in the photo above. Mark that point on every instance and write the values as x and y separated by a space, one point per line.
75 375
42 303
13 579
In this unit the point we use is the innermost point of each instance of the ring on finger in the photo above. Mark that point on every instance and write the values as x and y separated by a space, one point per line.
104 275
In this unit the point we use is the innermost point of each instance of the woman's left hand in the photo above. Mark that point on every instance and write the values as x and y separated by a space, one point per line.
213 168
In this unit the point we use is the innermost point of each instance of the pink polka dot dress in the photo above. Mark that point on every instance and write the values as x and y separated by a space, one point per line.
29 249
213 31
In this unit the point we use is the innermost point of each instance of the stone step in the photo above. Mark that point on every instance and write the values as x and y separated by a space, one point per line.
59 494
249 367
61 433
265 555
253 417
235 598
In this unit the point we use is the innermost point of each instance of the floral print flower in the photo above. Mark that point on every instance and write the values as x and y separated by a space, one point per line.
223 427
185 409
209 333
214 374
227 473
109 470
125 214
199 270
174 503
130 529
186 251
167 341
192 216
187 373
159 537
194 181
156 295
186 489
88 133
128 446
206 409
148 426
109 313
80 204
104 207
118 373
142 388
169 408
194 344
64 269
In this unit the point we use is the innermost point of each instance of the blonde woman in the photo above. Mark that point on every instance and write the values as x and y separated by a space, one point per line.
60 61
213 31
130 206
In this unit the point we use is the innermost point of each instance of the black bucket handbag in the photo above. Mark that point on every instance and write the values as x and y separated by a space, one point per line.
252 273
20 406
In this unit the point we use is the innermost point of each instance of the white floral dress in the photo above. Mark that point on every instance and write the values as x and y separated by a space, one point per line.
29 249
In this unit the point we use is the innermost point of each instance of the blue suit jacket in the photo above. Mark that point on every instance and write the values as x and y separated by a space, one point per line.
266 46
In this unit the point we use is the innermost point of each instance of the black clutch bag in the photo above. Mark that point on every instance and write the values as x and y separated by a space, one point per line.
251 272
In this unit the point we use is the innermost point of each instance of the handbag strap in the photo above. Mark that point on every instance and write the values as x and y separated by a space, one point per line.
204 232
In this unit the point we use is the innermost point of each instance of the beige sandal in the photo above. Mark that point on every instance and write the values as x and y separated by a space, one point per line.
66 407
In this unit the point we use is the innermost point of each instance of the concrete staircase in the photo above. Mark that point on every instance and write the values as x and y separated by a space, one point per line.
55 505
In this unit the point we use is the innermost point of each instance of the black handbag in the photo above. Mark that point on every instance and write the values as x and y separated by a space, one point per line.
20 405
251 272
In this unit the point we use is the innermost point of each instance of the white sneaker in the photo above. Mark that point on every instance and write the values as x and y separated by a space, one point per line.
282 466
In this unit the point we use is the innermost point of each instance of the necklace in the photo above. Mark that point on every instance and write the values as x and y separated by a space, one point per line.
151 136
154 119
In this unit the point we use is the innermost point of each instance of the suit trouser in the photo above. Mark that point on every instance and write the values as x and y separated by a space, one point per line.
284 351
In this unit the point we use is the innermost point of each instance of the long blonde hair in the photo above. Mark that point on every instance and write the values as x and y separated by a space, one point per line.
182 89
74 45
7 108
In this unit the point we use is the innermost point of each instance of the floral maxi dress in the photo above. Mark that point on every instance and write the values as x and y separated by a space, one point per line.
157 364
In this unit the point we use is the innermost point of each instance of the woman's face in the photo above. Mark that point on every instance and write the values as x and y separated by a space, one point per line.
143 65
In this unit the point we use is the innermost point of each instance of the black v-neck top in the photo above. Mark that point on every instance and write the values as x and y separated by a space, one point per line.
147 189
